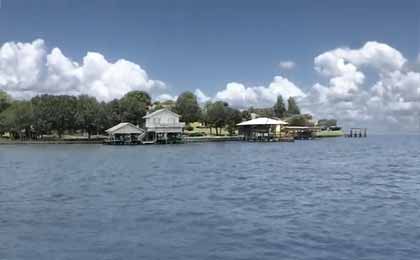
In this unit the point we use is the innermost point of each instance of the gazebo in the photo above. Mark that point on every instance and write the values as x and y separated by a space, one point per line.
261 129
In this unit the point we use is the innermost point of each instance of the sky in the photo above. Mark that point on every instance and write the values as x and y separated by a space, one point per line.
357 61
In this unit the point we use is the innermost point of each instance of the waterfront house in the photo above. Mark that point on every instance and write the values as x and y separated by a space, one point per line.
125 133
163 126
261 129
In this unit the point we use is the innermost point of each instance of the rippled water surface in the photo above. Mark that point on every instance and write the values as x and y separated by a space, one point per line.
322 199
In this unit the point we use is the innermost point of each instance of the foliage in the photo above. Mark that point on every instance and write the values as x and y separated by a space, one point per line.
300 120
219 115
187 106
246 115
279 107
327 122
54 113
17 119
262 112
5 101
87 114
133 106
292 107
233 118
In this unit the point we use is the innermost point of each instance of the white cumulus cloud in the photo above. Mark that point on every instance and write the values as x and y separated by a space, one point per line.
27 69
241 96
391 101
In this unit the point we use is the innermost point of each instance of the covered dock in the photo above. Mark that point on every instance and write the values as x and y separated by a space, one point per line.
262 129
125 133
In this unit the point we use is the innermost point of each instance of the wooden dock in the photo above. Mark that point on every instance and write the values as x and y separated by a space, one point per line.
357 133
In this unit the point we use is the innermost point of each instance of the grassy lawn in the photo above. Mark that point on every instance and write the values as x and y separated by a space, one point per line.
330 133
198 128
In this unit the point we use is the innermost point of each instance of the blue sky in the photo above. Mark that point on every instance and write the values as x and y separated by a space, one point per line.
357 61
206 44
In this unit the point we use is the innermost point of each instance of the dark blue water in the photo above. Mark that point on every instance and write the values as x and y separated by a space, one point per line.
323 199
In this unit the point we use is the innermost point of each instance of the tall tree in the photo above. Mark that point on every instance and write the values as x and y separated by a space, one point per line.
279 107
87 114
134 106
233 117
187 106
292 107
217 115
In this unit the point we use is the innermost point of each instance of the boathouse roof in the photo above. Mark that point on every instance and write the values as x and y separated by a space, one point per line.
124 128
262 121
160 111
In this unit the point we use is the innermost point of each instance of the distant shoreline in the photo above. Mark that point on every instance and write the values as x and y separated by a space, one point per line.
199 139
12 142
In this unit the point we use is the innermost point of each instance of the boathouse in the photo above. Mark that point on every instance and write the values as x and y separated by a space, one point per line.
262 129
163 126
125 133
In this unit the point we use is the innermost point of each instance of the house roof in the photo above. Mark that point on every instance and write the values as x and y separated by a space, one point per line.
125 128
263 121
160 111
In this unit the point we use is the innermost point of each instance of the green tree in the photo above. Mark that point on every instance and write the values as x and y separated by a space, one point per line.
87 114
133 106
105 118
292 107
233 118
54 113
300 120
17 119
5 100
246 115
217 115
279 107
187 106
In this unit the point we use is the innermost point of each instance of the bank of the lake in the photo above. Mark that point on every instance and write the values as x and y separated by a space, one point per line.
187 139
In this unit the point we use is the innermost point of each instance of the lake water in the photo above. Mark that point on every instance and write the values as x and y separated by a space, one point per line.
322 199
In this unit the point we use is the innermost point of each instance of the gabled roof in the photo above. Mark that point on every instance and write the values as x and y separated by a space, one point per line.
160 111
263 121
125 128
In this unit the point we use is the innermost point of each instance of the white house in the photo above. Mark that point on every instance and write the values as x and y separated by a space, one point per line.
163 126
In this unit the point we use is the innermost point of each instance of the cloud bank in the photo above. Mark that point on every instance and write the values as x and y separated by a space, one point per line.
370 85
28 69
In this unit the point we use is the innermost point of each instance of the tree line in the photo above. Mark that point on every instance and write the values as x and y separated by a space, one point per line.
58 114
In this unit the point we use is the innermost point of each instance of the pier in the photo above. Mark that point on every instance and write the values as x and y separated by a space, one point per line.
357 133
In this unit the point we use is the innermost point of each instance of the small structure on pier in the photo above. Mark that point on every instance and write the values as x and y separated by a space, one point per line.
261 129
357 132
163 126
125 133
302 132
